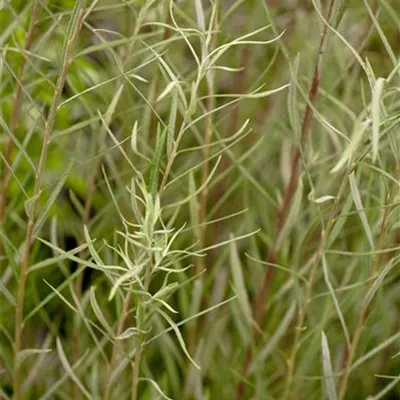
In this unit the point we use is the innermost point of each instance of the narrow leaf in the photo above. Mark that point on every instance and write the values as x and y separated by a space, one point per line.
167 90
70 371
327 366
178 335
134 137
376 115
24 354
157 161
324 199
238 280
357 201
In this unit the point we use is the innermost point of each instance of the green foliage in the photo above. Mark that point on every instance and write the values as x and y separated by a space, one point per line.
199 199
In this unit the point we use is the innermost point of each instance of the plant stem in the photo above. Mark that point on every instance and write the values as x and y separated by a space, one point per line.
93 176
260 304
295 170
16 107
136 369
200 263
141 318
113 359
85 221
48 130
209 105
350 353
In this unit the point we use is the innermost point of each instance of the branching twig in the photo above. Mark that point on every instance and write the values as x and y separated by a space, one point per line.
260 303
113 359
140 325
85 221
16 107
202 210
350 353
48 130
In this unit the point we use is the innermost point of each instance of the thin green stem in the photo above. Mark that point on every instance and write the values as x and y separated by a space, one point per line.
141 320
350 353
200 262
48 130
260 304
16 107
113 359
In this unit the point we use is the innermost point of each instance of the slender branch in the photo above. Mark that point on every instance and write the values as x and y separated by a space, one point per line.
350 353
48 130
85 221
260 303
200 262
239 86
16 107
141 319
149 119
113 359
209 105
295 170
93 176
136 370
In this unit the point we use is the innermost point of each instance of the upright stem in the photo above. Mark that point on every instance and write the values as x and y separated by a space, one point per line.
350 353
136 369
140 325
300 322
209 105
113 359
260 304
204 175
16 107
85 221
48 130
93 176
200 262
295 170
238 86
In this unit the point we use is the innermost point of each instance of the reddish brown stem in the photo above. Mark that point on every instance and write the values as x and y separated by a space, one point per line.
261 302
295 170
